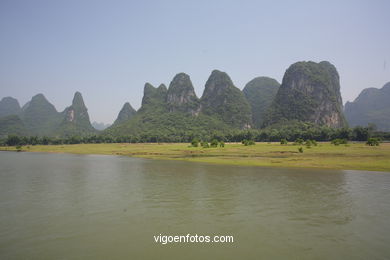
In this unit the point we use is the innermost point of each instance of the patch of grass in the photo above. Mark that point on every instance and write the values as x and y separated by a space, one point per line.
355 156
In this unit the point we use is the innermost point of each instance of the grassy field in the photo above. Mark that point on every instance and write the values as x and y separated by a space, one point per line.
356 156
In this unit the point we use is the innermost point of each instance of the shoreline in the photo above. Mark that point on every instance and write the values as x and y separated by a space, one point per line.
353 156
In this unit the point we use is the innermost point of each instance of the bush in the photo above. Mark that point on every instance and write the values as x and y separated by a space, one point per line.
248 142
339 141
205 145
283 141
195 142
13 140
373 141
300 149
214 143
222 144
299 141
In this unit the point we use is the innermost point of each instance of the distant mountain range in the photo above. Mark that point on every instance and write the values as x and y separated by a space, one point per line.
310 92
372 106
100 126
39 117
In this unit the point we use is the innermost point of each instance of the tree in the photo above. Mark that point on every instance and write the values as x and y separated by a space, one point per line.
360 133
13 140
195 142
214 143
373 142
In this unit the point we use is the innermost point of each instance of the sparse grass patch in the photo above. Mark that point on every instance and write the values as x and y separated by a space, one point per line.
358 156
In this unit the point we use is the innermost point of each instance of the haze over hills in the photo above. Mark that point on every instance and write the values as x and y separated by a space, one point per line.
372 106
99 125
260 92
39 117
9 106
310 92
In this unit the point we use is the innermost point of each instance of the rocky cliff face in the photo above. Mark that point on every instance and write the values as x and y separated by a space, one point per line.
154 98
75 118
40 116
9 106
126 113
310 92
372 106
260 92
223 100
181 95
77 113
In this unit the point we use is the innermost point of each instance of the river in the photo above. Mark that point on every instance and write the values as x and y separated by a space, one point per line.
64 206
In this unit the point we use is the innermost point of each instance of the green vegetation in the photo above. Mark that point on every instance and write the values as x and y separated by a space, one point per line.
308 92
339 141
9 106
126 113
248 142
75 119
373 141
260 92
223 101
214 143
12 125
298 141
372 106
283 141
40 117
357 156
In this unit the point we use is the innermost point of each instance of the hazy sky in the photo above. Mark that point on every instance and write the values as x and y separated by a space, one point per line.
107 50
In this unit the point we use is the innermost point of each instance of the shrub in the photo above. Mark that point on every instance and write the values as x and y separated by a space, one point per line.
222 144
205 145
248 142
299 141
214 143
373 141
195 142
339 141
283 141
300 149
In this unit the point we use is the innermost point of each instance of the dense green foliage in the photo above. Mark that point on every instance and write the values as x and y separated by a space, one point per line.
12 124
295 133
222 100
260 92
310 92
126 113
339 141
373 141
40 116
371 106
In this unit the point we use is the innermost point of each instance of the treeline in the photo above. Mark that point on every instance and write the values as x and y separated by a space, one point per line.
290 133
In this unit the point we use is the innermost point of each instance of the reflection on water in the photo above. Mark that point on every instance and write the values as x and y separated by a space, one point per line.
107 207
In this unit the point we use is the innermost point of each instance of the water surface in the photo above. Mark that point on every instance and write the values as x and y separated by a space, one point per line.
61 206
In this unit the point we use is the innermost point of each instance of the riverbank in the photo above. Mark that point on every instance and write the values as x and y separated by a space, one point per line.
354 156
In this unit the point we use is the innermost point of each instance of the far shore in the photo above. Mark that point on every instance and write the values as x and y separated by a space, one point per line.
353 156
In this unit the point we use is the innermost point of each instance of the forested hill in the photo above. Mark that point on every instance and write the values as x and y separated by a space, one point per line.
309 93
372 106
